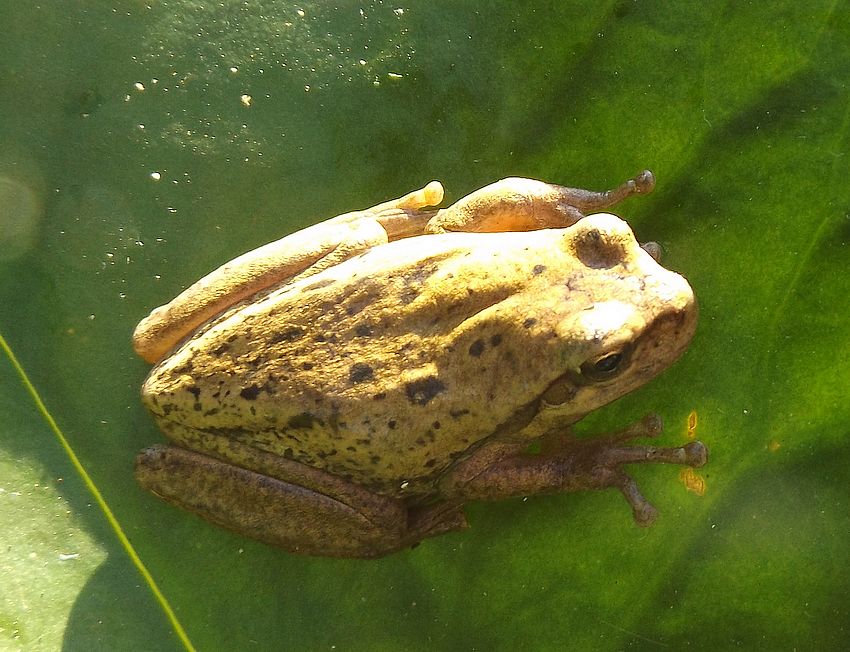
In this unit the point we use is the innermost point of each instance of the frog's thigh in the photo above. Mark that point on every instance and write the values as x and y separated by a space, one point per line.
274 511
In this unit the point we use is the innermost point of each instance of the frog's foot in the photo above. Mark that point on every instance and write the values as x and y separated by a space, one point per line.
607 472
607 454
341 520
567 463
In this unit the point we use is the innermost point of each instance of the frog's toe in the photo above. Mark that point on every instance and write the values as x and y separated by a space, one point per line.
691 454
696 454
643 182
653 249
649 426
430 195
643 511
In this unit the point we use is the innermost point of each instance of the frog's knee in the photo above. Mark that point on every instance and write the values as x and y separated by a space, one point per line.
157 334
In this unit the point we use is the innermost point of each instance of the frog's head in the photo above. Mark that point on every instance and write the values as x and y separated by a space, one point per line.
630 318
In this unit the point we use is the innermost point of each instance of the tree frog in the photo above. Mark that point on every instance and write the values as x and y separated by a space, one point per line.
345 390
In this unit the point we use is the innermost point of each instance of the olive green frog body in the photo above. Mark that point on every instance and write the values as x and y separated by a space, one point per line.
351 407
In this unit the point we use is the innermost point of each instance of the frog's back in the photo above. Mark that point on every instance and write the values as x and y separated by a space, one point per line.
383 369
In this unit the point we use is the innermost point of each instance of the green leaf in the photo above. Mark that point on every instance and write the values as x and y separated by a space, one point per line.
145 145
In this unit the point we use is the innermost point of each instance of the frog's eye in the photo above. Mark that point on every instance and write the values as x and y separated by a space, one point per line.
604 367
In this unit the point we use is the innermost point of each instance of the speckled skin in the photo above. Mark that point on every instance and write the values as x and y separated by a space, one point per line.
352 410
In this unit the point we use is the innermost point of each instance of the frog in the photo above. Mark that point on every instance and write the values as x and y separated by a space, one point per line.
346 390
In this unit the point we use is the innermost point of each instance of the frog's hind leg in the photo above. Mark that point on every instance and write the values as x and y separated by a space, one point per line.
344 520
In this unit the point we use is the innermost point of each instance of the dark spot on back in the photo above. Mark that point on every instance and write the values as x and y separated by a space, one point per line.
306 366
363 330
456 414
408 295
476 348
420 392
250 393
304 420
360 372
360 301
528 323
319 284
288 335
391 424
496 340
538 269
195 391
379 396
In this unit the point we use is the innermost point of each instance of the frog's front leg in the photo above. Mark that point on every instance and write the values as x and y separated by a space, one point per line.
297 255
517 204
341 520
566 463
